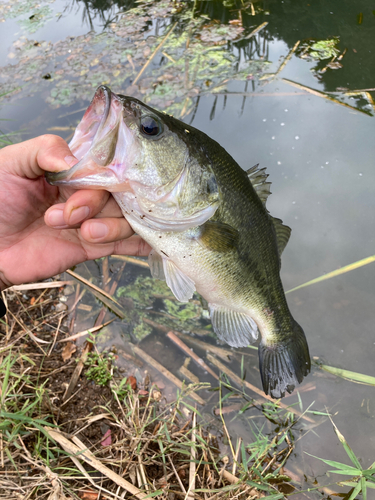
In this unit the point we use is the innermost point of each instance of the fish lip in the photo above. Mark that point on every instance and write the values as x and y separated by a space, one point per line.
64 176
108 98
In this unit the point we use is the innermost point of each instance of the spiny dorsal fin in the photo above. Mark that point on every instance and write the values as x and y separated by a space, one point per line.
258 178
282 234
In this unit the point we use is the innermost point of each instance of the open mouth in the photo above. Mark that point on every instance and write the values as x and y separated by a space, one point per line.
94 144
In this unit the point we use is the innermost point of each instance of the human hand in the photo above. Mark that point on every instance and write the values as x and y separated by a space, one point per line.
45 229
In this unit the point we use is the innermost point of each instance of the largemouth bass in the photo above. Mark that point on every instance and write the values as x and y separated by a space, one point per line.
205 219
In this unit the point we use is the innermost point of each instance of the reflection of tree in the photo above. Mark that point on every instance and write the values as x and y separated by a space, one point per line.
107 11
198 57
294 20
201 56
290 21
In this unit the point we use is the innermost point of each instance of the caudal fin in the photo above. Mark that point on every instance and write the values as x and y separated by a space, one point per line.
283 366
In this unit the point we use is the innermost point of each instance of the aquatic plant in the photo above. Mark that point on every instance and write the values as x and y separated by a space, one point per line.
197 57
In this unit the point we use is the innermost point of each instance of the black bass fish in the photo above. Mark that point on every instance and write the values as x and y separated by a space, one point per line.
205 219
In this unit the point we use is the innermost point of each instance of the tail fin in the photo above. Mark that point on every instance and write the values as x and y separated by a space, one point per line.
282 366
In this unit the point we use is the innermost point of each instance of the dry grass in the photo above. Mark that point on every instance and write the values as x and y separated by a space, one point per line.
125 443
62 436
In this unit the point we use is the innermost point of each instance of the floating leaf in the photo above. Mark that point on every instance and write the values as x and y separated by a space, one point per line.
318 50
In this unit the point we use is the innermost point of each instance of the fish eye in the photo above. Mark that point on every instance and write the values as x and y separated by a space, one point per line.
150 126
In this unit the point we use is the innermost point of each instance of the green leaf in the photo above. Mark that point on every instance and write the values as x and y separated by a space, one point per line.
181 450
355 492
244 457
342 467
364 488
191 408
323 413
348 375
263 487
276 496
346 472
154 494
353 484
369 472
347 448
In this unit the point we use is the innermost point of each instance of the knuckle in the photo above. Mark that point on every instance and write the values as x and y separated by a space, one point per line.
50 141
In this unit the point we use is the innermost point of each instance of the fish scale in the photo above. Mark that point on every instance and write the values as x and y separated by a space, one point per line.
204 217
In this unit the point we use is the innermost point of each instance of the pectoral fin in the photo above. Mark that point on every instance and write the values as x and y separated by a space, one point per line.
235 328
156 265
181 285
163 268
218 236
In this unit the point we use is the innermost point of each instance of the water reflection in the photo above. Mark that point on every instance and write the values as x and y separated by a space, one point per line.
319 156
202 56
101 11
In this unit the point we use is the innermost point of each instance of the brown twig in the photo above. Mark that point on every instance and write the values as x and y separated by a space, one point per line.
84 454
39 286
131 260
55 336
92 286
185 372
325 96
256 30
219 351
85 332
154 54
191 353
167 374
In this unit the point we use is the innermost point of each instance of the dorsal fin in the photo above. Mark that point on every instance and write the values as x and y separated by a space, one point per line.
282 234
258 178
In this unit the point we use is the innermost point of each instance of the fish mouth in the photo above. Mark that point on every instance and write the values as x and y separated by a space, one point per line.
97 146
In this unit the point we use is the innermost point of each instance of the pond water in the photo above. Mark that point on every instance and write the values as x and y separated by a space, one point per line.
319 156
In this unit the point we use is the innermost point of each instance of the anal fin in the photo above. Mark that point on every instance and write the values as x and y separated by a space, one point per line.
235 328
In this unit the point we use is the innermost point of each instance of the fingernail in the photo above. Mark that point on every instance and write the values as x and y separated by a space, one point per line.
78 215
56 218
70 160
98 230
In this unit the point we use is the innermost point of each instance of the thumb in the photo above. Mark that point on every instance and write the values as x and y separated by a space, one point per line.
31 158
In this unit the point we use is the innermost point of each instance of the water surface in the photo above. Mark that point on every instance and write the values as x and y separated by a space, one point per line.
319 156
